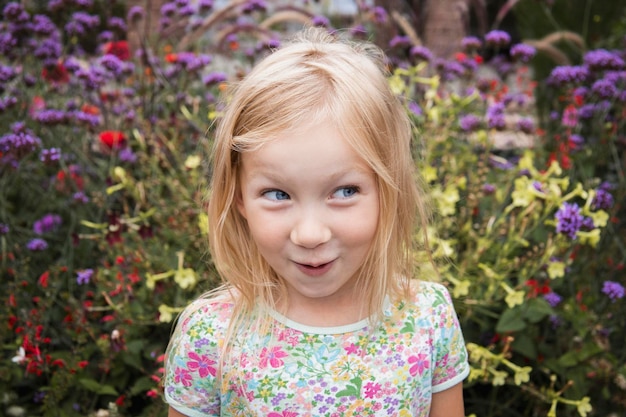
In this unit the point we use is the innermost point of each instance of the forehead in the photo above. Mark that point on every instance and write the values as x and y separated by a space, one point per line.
319 150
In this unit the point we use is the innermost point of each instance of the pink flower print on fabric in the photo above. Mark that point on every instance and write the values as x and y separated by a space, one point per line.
371 389
272 356
202 364
420 363
283 414
182 376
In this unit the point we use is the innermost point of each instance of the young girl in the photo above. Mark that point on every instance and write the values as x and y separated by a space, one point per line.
313 211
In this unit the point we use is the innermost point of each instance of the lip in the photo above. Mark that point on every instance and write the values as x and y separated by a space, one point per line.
314 271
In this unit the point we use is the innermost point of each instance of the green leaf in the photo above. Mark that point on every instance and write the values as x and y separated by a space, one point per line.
511 321
525 345
141 385
95 387
536 310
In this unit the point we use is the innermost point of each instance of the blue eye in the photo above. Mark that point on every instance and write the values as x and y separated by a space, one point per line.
346 192
277 195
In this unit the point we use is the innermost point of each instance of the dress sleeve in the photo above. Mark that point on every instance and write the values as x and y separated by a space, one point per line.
191 383
450 354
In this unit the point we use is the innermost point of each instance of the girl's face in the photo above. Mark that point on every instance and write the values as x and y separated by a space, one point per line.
311 203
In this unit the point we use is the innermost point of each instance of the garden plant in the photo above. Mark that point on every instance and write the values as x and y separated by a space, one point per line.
104 169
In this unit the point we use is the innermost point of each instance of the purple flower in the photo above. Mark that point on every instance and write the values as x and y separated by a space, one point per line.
415 108
569 219
603 200
83 277
586 111
604 89
253 5
497 38
80 197
127 155
399 41
450 70
117 23
522 52
50 156
7 73
112 63
495 116
47 223
135 13
19 143
51 117
91 119
186 11
380 14
576 141
168 10
602 59
613 289
106 36
563 75
37 245
42 25
526 124
471 43
4 229
81 22
421 52
552 298
489 189
205 5
14 12
7 103
321 21
469 122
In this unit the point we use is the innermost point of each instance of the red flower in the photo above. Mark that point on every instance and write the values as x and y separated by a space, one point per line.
119 49
112 138
460 56
56 74
537 288
43 279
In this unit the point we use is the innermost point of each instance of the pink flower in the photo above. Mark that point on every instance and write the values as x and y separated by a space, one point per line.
371 389
283 414
420 363
202 364
182 376
273 356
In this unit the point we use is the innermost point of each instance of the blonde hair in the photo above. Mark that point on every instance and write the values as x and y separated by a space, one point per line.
317 78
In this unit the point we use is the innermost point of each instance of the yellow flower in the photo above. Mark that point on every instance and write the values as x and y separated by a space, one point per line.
185 278
591 238
461 288
522 375
499 377
556 269
514 298
165 314
429 173
446 199
584 407
192 162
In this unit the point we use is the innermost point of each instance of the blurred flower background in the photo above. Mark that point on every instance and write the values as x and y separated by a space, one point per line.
106 118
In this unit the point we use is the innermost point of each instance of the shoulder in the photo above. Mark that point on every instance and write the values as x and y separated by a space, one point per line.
429 294
214 311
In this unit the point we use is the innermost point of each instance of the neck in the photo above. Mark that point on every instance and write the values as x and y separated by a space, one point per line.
327 312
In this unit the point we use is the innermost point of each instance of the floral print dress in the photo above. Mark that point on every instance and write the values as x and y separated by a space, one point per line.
293 370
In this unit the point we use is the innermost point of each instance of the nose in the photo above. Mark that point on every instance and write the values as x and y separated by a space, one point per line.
310 230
